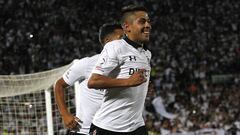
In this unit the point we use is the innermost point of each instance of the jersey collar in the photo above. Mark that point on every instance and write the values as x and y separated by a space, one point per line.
134 44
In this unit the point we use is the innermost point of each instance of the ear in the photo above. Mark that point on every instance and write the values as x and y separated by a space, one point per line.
126 27
106 40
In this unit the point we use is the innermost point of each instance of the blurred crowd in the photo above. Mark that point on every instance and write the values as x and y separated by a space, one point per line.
191 41
187 36
216 107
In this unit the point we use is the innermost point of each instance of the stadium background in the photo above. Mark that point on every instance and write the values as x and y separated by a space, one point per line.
192 42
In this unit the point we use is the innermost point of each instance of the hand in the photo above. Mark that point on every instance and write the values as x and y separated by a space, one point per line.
71 122
137 78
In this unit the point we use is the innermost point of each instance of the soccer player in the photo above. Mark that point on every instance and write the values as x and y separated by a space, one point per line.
123 102
88 100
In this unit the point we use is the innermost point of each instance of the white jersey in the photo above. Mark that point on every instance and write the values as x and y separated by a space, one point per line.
88 101
121 110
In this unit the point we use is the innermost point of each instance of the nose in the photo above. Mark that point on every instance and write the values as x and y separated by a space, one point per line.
148 25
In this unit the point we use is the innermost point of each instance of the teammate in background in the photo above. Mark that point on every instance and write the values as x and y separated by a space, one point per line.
88 100
123 102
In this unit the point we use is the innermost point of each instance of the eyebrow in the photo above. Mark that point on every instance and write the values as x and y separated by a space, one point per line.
143 18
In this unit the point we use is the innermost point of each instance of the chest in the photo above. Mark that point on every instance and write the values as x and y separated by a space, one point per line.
135 59
138 58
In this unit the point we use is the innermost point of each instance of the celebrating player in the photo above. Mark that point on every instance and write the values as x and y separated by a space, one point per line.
123 69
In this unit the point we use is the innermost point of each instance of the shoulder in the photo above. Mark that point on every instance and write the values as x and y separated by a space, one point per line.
115 44
94 57
85 60
80 61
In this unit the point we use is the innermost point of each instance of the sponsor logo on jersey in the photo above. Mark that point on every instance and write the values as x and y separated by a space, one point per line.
133 70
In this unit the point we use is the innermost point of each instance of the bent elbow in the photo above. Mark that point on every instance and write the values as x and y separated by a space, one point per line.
60 84
90 83
95 81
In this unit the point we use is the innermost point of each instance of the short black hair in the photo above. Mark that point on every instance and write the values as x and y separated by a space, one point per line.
106 29
127 10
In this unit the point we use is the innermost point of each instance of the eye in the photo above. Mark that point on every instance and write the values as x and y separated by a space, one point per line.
142 21
149 21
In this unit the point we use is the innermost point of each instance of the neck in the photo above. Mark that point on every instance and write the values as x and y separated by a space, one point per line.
134 40
133 43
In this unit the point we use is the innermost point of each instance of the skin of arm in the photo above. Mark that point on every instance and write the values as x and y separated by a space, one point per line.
103 82
70 121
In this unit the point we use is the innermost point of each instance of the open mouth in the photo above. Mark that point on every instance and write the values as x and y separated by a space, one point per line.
146 33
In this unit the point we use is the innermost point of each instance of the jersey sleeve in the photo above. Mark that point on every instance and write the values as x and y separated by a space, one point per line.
108 59
75 72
